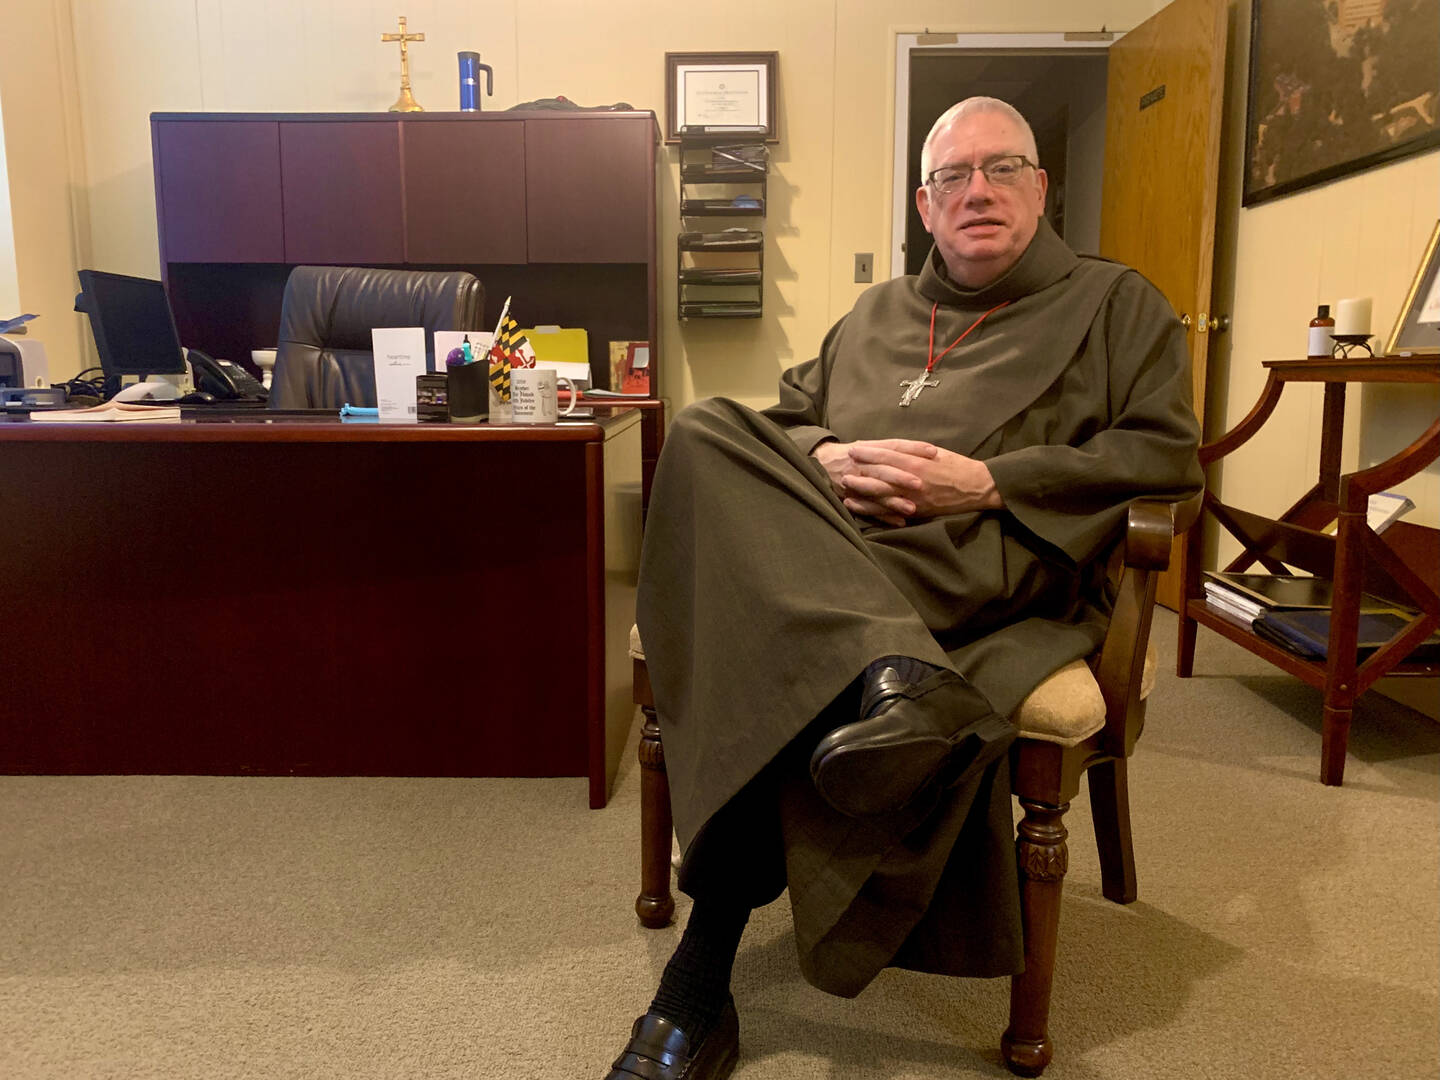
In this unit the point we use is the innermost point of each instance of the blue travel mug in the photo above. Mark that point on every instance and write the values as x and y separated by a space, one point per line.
470 68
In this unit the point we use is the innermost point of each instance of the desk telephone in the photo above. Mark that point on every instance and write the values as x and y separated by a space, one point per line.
225 379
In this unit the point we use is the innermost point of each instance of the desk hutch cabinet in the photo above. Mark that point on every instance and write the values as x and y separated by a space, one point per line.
554 208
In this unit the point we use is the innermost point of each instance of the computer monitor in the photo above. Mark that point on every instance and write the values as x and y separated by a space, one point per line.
132 323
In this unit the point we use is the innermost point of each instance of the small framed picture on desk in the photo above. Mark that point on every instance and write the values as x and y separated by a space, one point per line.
630 367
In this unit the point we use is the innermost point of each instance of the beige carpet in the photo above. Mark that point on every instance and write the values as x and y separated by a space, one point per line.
201 927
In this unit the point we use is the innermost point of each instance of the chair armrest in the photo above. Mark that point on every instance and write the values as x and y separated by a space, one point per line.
1152 528
1145 549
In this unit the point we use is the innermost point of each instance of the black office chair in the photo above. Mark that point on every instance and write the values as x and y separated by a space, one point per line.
325 358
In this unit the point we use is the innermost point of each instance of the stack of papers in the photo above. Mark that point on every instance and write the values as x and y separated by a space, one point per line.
1232 606
110 411
1384 508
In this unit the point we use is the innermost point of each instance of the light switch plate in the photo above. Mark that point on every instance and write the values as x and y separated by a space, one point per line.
864 266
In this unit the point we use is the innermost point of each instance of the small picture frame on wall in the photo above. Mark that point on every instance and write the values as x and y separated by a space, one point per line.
1336 88
1417 330
721 94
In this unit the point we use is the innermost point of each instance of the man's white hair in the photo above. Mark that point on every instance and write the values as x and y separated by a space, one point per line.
977 105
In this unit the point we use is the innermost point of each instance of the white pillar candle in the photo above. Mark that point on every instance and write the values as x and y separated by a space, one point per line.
1353 316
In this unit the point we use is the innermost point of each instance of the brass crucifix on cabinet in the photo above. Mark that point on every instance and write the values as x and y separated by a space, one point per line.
406 101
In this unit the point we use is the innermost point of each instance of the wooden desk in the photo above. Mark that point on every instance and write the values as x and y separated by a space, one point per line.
290 596
1401 565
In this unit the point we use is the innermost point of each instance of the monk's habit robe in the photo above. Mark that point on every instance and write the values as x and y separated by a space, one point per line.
762 598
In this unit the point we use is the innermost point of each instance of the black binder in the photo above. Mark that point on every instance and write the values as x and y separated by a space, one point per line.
1307 633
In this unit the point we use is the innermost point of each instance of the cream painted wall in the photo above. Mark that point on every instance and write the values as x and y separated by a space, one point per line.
46 171
829 191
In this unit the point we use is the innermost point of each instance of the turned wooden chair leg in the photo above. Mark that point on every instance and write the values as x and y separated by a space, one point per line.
1110 807
655 906
1043 858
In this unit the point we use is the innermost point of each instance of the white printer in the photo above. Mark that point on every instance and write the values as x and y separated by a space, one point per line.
22 362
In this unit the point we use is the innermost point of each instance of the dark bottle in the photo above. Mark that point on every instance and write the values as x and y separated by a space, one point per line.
1321 327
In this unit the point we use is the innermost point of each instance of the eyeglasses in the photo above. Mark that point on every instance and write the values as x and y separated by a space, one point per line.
1001 171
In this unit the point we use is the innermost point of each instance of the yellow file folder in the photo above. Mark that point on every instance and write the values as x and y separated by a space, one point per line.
565 349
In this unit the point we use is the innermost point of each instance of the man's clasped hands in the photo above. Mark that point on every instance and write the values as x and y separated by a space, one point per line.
895 480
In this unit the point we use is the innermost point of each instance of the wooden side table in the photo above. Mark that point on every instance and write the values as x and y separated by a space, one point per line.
1400 566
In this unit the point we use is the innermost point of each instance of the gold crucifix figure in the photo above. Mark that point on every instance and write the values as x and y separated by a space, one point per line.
406 101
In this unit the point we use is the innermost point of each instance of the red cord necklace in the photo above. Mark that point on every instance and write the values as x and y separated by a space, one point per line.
914 387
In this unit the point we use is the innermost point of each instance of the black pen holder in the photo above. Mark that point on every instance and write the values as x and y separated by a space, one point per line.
468 391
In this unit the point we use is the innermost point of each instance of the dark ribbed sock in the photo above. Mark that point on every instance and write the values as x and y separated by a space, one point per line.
696 983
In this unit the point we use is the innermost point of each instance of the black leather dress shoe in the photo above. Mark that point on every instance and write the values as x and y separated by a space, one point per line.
911 738
658 1050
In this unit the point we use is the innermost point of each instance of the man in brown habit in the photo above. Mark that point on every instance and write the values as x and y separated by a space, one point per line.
844 597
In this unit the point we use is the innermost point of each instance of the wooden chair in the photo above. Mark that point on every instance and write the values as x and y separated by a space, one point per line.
1084 718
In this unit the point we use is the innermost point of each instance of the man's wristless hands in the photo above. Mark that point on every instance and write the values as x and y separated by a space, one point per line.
895 480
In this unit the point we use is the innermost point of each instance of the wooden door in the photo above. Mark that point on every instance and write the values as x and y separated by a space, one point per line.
1162 163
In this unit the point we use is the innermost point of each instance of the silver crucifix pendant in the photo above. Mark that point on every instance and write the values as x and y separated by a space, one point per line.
914 387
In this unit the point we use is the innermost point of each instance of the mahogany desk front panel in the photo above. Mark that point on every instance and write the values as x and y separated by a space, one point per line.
318 598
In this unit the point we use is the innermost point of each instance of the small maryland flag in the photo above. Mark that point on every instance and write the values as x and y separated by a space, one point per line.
504 355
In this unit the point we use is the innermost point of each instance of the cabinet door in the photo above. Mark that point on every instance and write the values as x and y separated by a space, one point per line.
341 186
218 191
591 189
465 191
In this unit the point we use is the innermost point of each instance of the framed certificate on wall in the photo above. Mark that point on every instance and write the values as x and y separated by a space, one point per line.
720 93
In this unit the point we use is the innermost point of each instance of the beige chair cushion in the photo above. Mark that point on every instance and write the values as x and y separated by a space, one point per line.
1066 708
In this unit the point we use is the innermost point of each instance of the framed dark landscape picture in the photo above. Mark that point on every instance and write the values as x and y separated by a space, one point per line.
1337 86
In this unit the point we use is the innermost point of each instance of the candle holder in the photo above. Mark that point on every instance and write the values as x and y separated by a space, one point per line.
1345 344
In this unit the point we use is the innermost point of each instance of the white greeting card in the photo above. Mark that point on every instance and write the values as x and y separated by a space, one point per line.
399 357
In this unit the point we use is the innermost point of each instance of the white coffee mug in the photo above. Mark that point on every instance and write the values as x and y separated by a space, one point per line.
535 396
